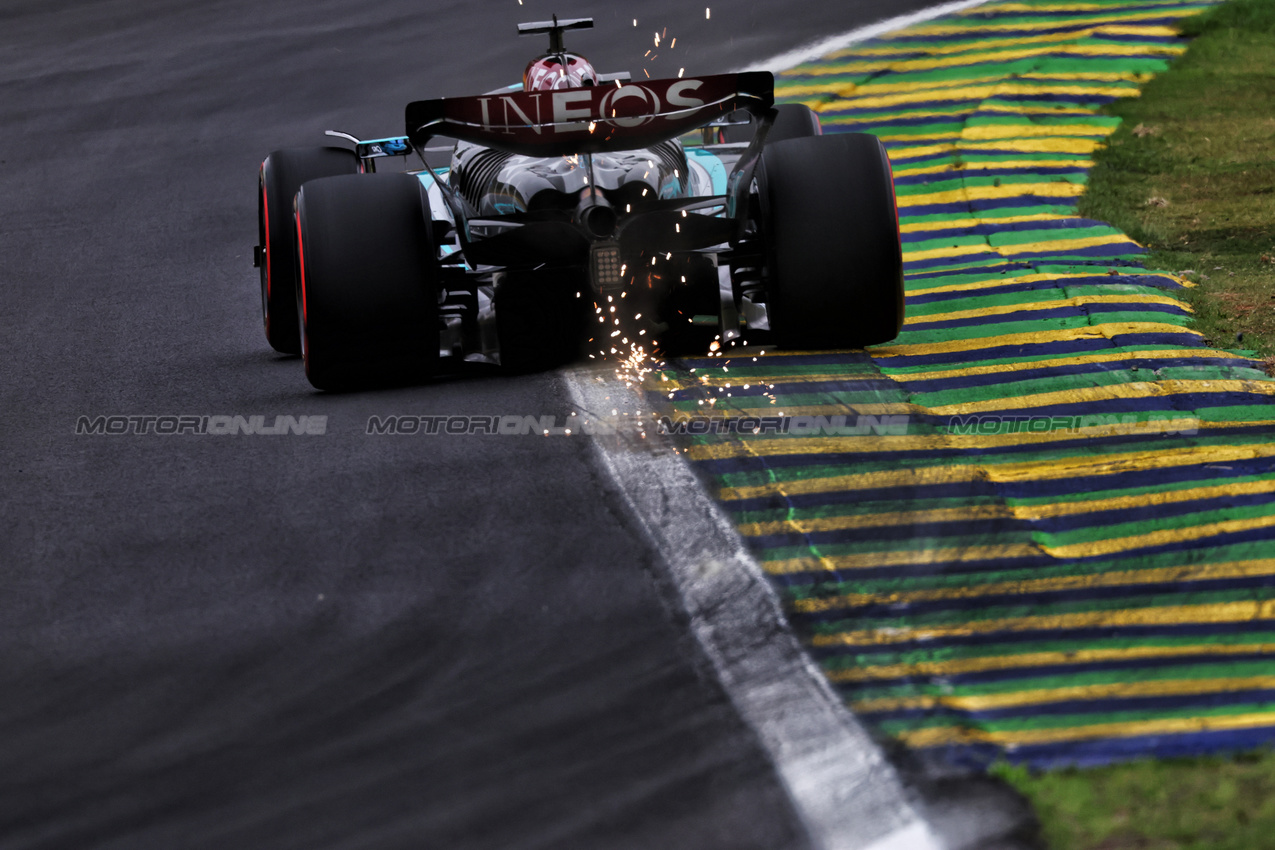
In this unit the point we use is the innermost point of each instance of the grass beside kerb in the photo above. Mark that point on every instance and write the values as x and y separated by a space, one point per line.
1174 804
1190 174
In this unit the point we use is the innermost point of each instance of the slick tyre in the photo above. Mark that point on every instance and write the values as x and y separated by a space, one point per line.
279 178
831 228
369 291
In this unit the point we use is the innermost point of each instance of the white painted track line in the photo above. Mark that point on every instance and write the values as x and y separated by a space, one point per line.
811 52
841 786
843 789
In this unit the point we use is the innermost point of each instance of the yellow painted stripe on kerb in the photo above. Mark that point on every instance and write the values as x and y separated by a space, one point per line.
914 287
920 476
1218 614
1137 389
1106 330
1056 245
953 735
1008 471
761 375
952 89
884 119
906 50
860 87
1026 513
871 441
983 132
978 193
1054 584
863 97
1025 130
1105 357
955 252
1026 660
953 172
1027 309
1162 537
1190 6
1075 693
1018 26
1076 145
1007 53
1051 109
961 223
1054 146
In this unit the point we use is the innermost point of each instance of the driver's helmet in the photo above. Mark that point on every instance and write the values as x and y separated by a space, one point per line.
558 71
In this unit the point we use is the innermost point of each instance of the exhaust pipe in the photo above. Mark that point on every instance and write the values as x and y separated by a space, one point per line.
595 214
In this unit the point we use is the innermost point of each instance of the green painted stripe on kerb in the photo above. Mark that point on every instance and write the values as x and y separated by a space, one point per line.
951 579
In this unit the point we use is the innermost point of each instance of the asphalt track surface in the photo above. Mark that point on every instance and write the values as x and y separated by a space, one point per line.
313 641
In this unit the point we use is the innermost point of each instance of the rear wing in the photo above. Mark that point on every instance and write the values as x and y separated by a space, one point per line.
595 119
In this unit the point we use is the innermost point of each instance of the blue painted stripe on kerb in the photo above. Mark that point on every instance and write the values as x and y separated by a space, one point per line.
1006 327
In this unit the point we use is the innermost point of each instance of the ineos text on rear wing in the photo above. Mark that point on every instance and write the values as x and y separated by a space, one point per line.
593 119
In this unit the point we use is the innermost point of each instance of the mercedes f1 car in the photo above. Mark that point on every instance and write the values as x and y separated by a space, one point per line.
574 220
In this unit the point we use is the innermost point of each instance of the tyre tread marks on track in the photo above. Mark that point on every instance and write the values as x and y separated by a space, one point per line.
1096 588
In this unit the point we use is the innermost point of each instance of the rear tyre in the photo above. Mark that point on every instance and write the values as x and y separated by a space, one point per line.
369 289
793 121
279 178
834 259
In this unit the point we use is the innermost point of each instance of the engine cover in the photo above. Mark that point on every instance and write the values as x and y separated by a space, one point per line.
500 183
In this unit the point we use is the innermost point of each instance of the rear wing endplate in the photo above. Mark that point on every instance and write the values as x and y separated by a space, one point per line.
614 116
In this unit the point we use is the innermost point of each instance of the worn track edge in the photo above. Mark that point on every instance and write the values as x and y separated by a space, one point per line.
843 789
841 41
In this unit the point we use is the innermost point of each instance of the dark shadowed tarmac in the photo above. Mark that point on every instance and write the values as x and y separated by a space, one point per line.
336 641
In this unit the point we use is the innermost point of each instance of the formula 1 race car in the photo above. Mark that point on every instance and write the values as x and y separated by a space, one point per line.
573 220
